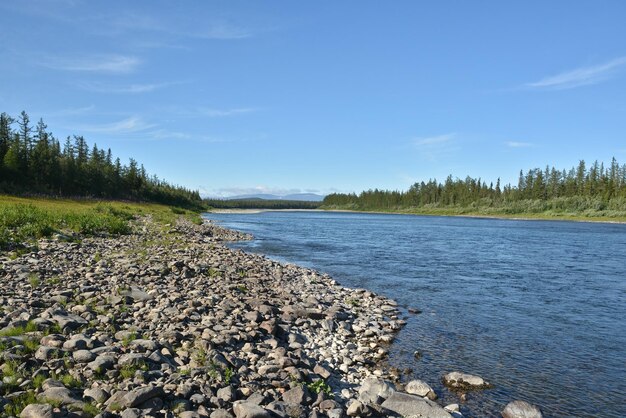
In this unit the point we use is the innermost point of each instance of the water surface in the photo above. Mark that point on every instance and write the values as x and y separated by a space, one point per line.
538 308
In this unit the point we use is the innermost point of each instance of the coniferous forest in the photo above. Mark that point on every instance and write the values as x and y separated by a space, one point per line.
33 161
595 190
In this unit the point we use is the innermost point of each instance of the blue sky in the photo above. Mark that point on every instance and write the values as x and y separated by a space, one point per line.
230 97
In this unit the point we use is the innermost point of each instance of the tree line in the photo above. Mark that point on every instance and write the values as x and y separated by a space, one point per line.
596 188
33 161
261 204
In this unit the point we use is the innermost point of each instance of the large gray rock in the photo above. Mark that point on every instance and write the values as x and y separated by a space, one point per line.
226 394
114 403
374 390
37 410
464 381
44 353
132 359
61 395
420 388
138 396
415 406
245 409
97 394
135 294
357 409
521 409
143 345
221 413
102 363
68 322
298 395
83 356
291 410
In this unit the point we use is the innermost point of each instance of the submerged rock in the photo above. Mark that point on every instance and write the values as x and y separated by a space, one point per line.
464 381
420 388
521 409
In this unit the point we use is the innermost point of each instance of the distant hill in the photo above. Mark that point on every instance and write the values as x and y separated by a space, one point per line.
303 197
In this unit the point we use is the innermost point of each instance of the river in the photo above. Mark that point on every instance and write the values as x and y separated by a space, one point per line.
538 308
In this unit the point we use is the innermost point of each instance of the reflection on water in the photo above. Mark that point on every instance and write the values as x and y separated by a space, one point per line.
538 308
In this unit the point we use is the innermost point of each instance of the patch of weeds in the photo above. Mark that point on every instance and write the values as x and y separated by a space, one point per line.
17 331
53 329
11 368
129 339
55 403
213 273
54 280
320 386
90 409
123 308
30 345
228 375
115 407
242 288
242 273
213 373
34 280
184 372
17 404
97 256
128 370
70 381
201 357
38 381
353 302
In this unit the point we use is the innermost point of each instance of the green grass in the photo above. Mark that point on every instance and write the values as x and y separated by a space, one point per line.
128 371
70 381
30 345
23 220
38 381
34 280
17 404
17 331
129 338
532 210
90 409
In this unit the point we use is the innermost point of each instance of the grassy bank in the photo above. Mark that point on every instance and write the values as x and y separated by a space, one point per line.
23 220
588 215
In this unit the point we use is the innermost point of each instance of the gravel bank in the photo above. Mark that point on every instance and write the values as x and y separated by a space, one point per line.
170 322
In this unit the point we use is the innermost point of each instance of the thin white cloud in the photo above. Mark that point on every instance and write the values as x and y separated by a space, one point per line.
219 113
164 134
129 89
203 28
112 64
222 31
132 124
204 112
238 191
432 140
517 144
580 76
70 111
435 148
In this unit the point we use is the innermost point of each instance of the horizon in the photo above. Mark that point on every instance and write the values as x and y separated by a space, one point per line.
245 98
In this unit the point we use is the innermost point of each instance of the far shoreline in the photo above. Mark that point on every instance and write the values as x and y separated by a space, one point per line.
523 217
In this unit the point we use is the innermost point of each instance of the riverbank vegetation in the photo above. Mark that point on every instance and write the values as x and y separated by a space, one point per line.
261 204
33 162
580 192
23 220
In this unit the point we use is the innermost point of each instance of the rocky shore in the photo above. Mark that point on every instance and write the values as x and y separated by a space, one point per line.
168 321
